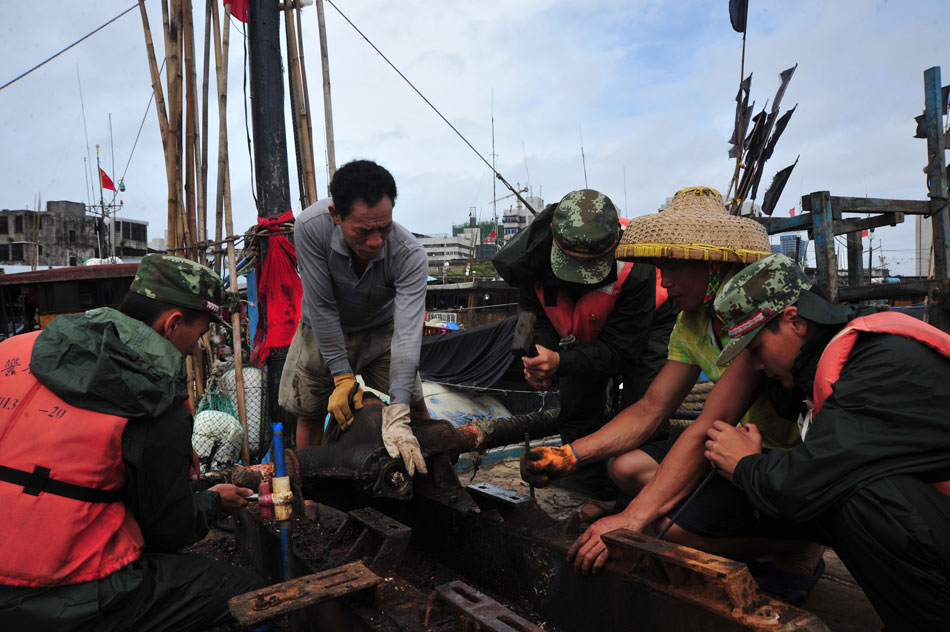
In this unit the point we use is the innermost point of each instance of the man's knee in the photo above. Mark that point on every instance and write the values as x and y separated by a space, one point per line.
631 471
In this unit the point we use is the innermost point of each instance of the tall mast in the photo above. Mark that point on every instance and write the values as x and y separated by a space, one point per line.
494 179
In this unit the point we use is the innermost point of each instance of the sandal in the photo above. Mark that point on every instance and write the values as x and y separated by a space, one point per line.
792 588
592 509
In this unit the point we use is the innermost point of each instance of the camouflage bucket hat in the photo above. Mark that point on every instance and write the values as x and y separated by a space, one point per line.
757 294
180 282
586 231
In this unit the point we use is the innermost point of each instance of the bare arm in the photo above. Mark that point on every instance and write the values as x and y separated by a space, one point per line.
638 421
682 468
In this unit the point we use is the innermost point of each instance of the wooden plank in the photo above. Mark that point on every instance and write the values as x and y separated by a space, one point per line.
826 263
776 225
266 603
855 224
903 289
936 171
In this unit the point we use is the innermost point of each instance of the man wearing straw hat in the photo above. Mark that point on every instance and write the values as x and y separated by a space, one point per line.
94 466
697 245
596 319
870 477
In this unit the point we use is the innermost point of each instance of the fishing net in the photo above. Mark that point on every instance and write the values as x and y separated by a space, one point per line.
258 432
217 436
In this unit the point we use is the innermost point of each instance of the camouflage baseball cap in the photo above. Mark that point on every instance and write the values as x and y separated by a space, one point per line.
754 296
586 231
180 282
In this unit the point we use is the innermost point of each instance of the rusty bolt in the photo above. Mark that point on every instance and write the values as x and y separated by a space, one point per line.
397 478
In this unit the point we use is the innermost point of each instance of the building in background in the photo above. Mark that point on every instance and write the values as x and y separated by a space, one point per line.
792 246
64 235
445 249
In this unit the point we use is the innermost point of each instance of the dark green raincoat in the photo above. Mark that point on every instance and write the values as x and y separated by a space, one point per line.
858 482
107 362
632 344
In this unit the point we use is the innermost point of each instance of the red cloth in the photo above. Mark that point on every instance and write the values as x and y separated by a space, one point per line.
105 180
278 291
238 9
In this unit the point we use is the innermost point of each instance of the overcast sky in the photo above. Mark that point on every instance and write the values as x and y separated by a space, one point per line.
648 84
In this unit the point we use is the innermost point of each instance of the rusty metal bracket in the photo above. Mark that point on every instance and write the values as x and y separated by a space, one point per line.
478 611
373 532
266 603
715 583
509 506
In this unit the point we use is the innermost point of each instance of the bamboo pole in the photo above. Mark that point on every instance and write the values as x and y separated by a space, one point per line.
221 59
302 116
327 108
171 17
203 177
306 94
156 77
192 157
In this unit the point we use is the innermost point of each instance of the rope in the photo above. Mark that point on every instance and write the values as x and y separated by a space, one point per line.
84 37
486 389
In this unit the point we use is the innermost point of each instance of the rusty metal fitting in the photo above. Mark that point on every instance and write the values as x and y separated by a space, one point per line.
283 497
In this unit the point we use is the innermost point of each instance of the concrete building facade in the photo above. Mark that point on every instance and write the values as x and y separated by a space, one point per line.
64 235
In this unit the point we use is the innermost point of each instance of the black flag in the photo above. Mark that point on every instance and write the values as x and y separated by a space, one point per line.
775 189
738 10
779 128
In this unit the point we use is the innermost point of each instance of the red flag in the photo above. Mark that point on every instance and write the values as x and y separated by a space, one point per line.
791 212
490 238
105 180
864 233
238 9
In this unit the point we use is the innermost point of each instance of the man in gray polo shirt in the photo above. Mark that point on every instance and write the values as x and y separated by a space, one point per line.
364 288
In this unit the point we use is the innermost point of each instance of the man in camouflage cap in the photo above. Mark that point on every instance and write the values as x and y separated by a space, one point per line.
876 435
98 464
180 282
597 319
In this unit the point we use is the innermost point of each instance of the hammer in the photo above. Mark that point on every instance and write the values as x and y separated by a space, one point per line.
522 342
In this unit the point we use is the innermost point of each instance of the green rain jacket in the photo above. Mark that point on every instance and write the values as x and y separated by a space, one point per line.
105 361
886 416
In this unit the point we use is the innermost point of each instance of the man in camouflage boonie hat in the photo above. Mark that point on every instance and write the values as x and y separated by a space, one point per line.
180 282
870 477
597 318
759 292
586 231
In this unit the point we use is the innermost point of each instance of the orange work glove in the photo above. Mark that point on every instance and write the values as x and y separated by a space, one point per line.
346 397
541 465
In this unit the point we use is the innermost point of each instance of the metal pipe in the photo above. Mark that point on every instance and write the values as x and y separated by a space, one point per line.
280 472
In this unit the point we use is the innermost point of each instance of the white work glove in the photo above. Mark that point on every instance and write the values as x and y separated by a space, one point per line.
399 440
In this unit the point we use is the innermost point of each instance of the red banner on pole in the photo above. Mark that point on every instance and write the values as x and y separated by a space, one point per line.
105 180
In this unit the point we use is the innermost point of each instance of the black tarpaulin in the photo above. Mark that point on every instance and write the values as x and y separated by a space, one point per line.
475 357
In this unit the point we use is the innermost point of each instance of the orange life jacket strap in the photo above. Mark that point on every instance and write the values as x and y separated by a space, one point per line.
38 481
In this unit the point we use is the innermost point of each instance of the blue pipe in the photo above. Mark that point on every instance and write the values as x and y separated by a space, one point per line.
280 469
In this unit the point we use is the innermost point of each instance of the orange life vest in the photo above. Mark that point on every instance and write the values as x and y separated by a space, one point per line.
61 479
585 319
836 353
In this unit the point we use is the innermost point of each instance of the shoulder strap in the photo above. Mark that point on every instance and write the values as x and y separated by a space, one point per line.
39 481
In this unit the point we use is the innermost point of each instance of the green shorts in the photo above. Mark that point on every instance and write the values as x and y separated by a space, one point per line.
306 383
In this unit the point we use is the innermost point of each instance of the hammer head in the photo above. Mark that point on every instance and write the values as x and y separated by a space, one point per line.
522 342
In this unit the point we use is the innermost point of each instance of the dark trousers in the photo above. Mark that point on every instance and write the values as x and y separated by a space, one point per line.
584 411
894 537
159 591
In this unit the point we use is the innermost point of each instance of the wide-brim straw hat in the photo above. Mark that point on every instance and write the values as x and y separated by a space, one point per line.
696 226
